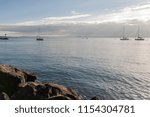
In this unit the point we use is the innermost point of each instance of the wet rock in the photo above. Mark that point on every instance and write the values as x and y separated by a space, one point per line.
11 77
4 96
44 91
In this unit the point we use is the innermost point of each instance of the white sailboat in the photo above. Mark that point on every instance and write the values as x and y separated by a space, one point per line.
39 38
123 35
139 38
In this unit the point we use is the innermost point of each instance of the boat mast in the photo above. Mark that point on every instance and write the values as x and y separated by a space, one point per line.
123 32
39 32
138 31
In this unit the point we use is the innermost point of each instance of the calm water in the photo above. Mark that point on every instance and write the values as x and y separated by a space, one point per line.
110 68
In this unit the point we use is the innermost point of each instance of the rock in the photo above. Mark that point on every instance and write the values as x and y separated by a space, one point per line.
4 96
31 91
55 89
96 98
11 77
44 91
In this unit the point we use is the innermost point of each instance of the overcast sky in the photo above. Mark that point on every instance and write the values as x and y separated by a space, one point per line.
75 15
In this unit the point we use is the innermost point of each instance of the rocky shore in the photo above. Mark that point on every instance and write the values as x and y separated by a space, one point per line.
17 84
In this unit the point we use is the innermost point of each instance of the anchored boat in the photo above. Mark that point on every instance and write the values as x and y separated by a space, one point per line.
139 38
39 38
123 35
4 37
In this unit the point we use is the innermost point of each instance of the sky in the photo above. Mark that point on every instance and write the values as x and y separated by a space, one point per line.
73 17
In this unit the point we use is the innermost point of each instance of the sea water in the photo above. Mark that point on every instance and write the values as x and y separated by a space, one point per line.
107 67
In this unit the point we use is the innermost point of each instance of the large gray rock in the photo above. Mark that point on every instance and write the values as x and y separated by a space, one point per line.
11 77
45 91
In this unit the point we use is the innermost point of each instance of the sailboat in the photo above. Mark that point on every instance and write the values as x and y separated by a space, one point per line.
4 37
39 38
123 35
139 38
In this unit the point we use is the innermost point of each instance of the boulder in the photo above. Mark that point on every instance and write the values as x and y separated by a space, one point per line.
96 98
44 91
4 96
11 77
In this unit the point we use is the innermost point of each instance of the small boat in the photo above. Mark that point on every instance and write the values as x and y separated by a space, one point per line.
3 37
39 39
124 37
139 38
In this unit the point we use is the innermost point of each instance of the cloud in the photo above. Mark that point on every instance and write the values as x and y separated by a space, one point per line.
130 14
57 20
139 12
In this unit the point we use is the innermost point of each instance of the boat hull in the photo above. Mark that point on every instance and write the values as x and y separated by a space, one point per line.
39 39
3 38
124 39
139 39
